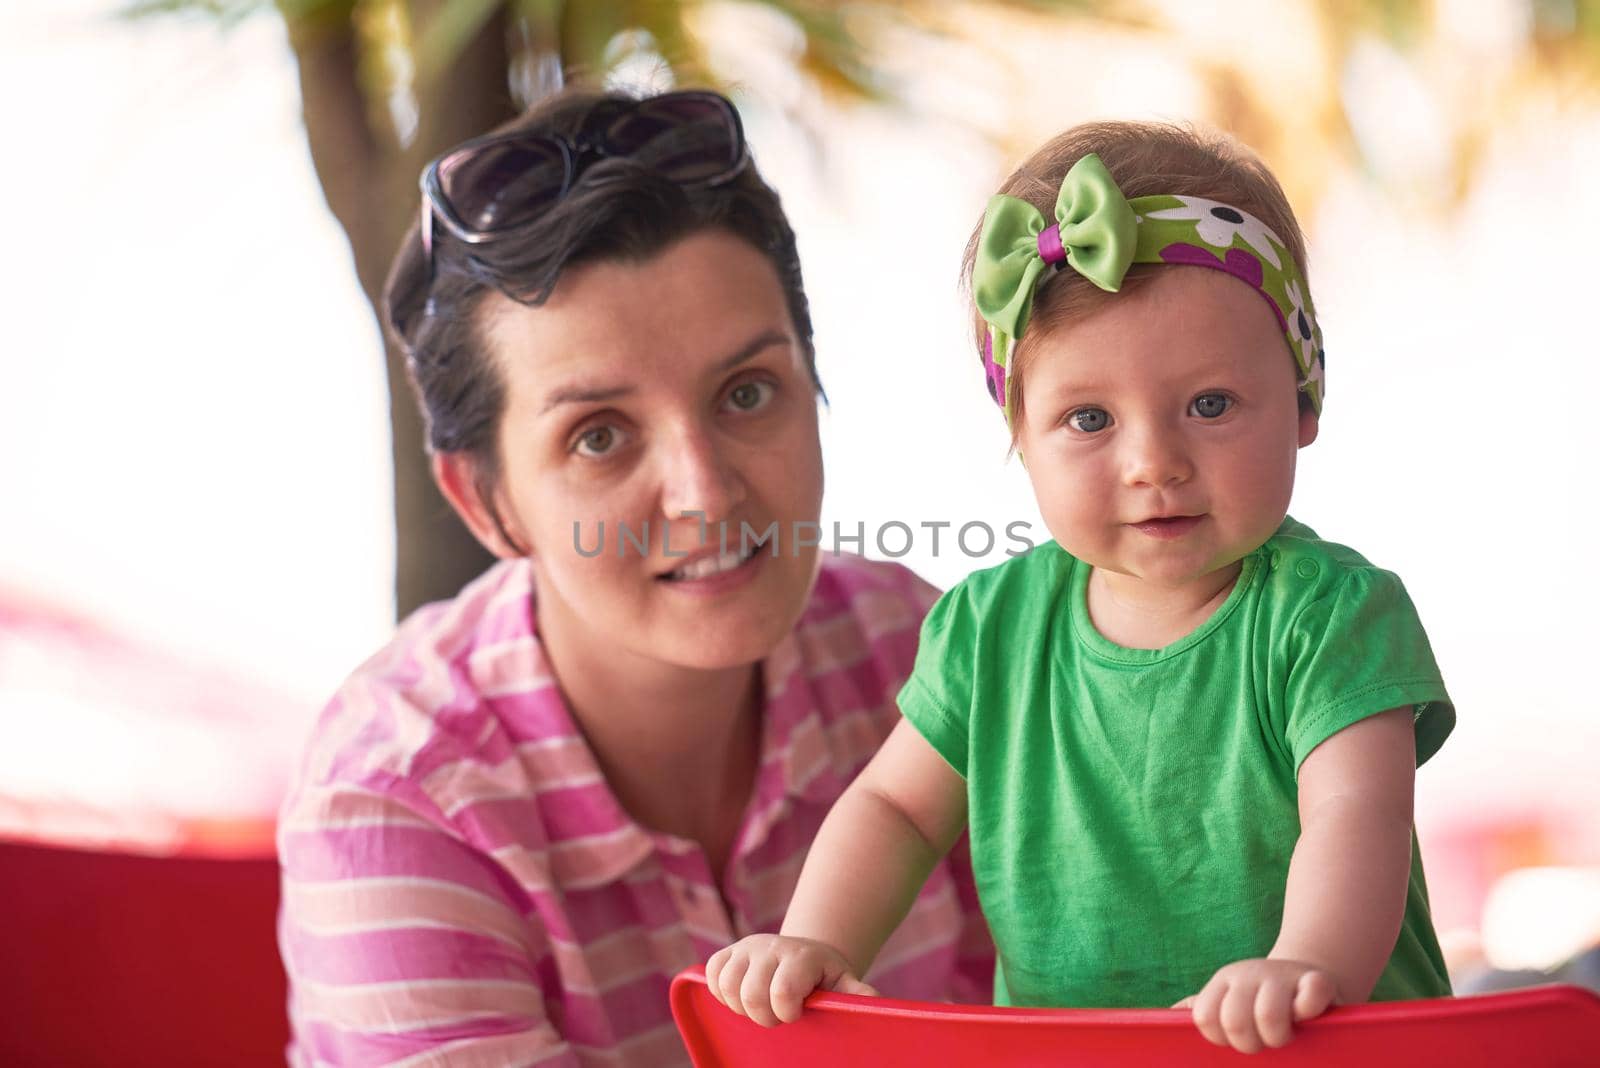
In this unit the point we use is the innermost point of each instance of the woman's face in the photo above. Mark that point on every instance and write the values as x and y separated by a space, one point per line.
650 406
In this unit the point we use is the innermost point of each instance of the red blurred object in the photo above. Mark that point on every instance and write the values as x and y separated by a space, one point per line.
118 958
1547 1027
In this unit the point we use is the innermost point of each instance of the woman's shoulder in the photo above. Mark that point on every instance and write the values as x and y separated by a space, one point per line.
831 682
867 588
419 701
856 640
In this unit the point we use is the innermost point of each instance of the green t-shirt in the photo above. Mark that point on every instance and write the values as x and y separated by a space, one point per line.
1133 811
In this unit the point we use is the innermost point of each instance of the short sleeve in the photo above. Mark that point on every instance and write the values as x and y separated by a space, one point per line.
1355 652
400 943
938 696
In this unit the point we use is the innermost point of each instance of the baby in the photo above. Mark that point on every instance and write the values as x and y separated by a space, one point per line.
1184 733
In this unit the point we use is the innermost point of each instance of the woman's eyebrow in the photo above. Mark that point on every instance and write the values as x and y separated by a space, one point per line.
761 341
594 395
581 395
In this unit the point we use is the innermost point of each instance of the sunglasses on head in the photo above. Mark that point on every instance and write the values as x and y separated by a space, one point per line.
497 184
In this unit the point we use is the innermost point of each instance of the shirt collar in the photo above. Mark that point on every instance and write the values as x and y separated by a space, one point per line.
796 763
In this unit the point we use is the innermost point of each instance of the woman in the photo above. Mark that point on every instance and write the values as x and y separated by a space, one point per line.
607 756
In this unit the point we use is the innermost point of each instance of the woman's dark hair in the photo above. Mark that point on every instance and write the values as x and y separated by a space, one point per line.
616 209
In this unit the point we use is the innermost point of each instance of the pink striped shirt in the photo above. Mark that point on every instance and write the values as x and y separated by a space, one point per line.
461 887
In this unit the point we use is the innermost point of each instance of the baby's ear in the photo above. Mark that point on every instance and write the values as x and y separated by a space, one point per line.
1308 426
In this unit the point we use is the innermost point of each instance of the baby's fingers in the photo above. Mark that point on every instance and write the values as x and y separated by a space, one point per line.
729 977
1274 1011
1238 1017
849 984
757 989
797 976
1313 994
714 966
1207 1006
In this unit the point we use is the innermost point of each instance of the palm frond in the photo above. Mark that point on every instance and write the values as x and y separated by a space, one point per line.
228 12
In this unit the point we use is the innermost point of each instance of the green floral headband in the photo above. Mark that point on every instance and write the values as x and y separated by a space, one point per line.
1098 233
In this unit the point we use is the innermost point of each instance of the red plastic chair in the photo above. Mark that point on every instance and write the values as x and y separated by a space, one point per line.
115 958
1541 1027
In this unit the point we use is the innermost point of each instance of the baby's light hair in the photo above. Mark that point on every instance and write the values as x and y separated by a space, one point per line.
1145 159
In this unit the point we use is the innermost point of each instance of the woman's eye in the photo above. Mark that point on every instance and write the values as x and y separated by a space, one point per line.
749 396
1090 420
596 441
1211 405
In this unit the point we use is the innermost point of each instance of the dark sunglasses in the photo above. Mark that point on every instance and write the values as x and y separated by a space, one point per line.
495 185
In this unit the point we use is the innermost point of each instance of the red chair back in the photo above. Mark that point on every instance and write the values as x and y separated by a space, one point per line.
115 958
1548 1027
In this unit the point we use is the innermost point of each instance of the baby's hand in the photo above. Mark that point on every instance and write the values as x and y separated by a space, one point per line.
766 977
1252 1003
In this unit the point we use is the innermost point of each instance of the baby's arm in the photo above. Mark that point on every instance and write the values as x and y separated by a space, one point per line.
874 851
1346 892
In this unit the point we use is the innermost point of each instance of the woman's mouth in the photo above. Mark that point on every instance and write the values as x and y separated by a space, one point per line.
711 566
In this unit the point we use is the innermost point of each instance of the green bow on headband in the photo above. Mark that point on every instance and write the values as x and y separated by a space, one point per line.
1099 233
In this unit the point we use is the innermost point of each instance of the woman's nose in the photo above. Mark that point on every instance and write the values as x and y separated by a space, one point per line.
698 476
1155 456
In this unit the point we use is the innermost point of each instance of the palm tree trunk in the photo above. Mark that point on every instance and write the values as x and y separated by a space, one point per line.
370 181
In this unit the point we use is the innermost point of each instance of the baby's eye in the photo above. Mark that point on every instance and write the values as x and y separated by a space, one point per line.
1210 405
748 396
596 441
1089 420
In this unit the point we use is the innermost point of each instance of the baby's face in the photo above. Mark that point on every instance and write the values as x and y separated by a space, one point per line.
1161 432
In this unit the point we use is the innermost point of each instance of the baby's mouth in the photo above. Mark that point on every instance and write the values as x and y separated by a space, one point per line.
1168 526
